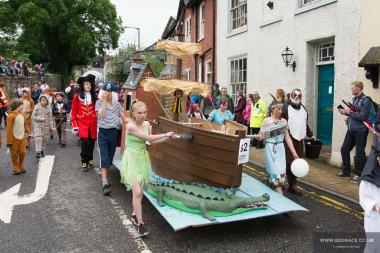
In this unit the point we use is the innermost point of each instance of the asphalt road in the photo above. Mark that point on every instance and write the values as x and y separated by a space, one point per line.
75 217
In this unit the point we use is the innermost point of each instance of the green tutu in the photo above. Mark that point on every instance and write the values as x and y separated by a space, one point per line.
136 165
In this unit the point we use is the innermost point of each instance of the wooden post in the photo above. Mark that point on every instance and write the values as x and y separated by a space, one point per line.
178 71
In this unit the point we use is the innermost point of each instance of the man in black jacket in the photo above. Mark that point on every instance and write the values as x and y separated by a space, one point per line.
357 132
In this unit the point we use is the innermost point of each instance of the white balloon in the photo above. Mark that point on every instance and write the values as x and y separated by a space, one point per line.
299 167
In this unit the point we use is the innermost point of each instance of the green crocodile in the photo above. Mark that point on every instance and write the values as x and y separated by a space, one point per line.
204 201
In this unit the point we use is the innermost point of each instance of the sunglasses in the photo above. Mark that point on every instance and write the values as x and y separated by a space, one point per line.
294 95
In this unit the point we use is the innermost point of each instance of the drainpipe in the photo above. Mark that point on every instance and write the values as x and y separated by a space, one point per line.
213 38
196 41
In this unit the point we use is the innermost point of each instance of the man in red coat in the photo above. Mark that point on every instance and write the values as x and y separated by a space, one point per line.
84 119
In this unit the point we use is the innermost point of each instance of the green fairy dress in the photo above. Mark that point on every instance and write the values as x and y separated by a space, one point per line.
136 165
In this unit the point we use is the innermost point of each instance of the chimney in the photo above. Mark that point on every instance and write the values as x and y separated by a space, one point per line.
137 58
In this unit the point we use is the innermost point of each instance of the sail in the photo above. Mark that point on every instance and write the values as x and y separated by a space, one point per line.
168 87
179 49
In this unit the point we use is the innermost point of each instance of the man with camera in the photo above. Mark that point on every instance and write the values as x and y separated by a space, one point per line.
357 132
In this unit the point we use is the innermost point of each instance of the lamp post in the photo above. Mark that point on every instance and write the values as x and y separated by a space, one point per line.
287 56
138 30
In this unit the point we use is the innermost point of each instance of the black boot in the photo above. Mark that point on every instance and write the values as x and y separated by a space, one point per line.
38 155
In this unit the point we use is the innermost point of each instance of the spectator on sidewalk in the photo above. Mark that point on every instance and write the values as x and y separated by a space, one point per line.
220 115
3 105
16 137
247 113
274 131
43 85
224 93
357 132
207 103
297 116
239 107
279 97
258 114
196 113
369 192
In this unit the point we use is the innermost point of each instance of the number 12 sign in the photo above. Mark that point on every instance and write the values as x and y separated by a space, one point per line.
244 150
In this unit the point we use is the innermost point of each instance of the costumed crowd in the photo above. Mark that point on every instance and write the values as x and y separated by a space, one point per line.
96 114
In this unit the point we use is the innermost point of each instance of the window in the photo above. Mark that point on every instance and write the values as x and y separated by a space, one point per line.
238 76
208 71
238 14
201 21
326 52
303 3
188 30
200 72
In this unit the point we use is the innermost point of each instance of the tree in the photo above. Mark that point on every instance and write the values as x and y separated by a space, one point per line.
64 33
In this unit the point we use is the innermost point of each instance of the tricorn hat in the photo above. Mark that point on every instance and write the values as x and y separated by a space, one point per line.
90 78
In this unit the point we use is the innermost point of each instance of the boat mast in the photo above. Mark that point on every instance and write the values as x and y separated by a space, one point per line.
178 69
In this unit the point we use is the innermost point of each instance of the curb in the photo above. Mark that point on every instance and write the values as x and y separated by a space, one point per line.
320 188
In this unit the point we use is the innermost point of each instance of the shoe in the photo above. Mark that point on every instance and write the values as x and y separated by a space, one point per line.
84 167
63 145
51 137
133 219
90 164
17 173
23 171
1 127
142 231
106 190
356 179
38 155
294 190
42 154
344 175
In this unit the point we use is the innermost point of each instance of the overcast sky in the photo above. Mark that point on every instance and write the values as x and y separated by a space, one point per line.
150 15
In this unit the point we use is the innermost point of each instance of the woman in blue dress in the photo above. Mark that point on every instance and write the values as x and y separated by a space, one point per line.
220 115
274 131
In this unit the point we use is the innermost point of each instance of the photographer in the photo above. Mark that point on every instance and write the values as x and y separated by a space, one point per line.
357 132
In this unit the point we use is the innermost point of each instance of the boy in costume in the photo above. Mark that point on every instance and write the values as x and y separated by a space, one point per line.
60 110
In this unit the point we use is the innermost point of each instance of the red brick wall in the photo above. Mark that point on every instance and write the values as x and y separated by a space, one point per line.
206 42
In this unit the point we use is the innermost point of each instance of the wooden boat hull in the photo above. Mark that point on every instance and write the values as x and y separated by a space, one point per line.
210 158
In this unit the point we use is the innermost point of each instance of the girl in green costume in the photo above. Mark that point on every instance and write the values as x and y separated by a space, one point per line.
136 167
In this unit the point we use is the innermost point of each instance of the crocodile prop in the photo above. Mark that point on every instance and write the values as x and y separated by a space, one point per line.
204 201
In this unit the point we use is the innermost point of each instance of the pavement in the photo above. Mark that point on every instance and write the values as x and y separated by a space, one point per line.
321 176
74 216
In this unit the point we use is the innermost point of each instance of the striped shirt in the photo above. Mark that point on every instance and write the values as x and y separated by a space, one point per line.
112 118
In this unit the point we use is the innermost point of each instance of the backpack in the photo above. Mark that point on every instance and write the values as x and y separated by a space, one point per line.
372 116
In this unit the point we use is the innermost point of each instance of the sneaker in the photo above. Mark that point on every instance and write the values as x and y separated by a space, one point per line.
142 231
63 145
42 154
90 164
84 167
106 190
133 219
17 173
356 179
38 155
341 174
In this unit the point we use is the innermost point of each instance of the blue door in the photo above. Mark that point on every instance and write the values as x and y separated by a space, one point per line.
325 103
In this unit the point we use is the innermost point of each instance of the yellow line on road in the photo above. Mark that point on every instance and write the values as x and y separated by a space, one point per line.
320 198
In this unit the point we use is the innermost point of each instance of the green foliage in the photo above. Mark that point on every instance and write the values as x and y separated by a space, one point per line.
64 33
155 60
122 55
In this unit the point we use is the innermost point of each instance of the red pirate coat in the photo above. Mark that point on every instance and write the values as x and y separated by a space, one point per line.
83 117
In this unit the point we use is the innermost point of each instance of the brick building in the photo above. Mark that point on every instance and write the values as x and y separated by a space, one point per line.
197 22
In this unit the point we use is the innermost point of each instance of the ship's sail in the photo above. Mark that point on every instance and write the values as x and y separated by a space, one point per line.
179 49
168 87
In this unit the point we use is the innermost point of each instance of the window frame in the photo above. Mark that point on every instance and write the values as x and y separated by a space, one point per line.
239 81
188 30
208 71
318 52
231 19
202 21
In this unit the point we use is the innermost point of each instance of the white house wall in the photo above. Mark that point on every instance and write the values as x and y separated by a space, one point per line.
301 32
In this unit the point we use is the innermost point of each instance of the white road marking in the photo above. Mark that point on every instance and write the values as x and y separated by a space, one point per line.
10 198
132 231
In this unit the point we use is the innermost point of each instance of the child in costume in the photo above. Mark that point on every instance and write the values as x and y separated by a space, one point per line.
27 109
43 125
60 110
84 119
110 111
136 169
16 137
